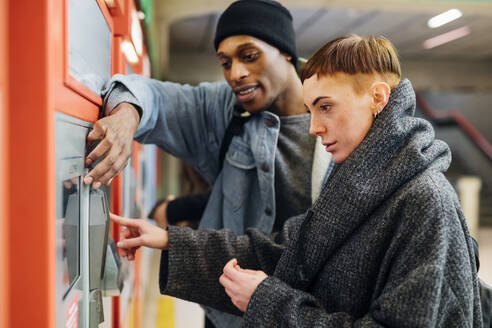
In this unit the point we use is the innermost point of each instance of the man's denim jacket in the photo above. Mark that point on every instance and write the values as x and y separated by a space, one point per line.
189 123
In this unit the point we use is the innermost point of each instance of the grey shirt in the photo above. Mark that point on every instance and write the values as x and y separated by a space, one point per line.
293 165
293 159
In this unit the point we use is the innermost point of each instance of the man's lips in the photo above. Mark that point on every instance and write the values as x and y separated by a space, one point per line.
246 93
329 146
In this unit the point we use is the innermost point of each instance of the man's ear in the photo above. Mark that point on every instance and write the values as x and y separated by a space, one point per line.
286 56
380 92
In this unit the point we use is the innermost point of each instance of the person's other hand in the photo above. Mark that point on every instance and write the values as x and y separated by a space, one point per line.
136 233
116 133
240 283
160 214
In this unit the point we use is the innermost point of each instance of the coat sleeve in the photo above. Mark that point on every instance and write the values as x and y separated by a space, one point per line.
187 121
191 268
427 279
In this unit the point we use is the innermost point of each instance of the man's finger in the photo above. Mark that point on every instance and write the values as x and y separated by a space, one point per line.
118 166
102 148
98 131
135 223
104 166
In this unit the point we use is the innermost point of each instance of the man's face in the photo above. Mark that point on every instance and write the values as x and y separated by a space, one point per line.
339 115
255 70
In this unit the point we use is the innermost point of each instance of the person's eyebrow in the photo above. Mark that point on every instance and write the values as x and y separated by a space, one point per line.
238 49
245 45
221 55
318 99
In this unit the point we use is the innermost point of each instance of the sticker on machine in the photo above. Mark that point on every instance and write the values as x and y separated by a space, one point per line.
73 314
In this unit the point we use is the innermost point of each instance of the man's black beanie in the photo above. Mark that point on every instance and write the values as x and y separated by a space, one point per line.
266 20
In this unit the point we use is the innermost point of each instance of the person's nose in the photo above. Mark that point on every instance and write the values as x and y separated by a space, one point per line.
238 71
316 127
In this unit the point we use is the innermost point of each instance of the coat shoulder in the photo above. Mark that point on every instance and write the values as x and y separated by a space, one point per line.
430 190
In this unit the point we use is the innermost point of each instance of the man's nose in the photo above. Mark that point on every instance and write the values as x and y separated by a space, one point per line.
316 128
238 71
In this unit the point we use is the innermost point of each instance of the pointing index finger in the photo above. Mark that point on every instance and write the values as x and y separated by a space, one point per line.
135 223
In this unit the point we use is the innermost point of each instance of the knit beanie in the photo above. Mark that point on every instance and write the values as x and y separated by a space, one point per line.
264 19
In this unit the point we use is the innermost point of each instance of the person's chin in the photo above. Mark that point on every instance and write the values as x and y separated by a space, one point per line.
254 106
338 157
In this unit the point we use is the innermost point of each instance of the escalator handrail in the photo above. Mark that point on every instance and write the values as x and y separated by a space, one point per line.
465 125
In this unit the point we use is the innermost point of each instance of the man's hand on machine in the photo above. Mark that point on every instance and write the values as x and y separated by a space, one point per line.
116 133
136 233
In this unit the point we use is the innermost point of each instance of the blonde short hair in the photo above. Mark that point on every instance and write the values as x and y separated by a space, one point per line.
353 55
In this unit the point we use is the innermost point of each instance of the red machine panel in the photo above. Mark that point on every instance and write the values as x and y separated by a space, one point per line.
41 81
4 200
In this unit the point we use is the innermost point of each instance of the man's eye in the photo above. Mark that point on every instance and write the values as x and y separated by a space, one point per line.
226 65
250 56
325 108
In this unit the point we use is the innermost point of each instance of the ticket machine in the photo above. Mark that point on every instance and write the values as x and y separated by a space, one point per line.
63 266
87 263
82 218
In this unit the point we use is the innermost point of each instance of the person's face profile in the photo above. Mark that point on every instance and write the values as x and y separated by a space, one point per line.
255 70
339 115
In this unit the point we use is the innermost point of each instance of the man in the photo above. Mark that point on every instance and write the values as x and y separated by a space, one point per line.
270 170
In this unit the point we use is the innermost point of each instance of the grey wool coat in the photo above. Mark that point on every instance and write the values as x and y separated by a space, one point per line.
385 245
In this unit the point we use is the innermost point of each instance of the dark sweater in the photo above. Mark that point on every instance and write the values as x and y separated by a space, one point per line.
386 243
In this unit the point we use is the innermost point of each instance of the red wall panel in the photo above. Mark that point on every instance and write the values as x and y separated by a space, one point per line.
4 195
31 167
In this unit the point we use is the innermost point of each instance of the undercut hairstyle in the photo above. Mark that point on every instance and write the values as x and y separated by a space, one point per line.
354 55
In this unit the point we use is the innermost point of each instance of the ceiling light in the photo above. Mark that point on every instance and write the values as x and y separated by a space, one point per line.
444 18
446 37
